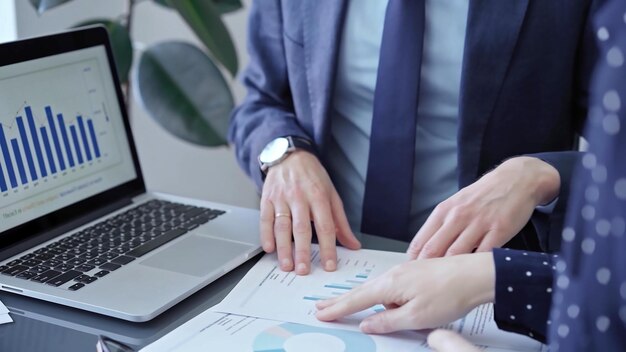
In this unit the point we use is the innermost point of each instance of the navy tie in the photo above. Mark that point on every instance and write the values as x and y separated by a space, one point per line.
389 181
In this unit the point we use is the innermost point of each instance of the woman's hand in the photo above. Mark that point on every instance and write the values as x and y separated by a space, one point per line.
489 212
419 294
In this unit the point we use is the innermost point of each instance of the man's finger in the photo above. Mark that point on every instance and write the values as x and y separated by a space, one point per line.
266 226
325 229
301 223
344 233
448 341
283 234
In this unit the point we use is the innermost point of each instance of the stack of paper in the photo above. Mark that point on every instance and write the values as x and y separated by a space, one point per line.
4 314
271 310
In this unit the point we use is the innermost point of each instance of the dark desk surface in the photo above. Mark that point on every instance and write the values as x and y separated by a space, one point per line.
46 327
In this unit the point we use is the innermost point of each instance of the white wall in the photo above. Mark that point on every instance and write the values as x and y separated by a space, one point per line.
8 28
193 171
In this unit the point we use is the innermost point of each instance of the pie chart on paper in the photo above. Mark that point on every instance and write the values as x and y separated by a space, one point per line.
289 337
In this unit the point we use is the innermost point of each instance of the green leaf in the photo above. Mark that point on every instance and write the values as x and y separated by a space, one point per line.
185 92
223 6
43 5
162 3
204 18
226 6
120 42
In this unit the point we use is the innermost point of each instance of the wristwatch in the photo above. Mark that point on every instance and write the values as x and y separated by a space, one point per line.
278 149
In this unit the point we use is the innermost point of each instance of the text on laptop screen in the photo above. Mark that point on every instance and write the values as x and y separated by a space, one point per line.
62 137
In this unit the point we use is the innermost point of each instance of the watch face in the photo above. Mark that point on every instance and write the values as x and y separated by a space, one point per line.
274 150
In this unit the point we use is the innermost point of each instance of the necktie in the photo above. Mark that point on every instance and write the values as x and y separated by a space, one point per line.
389 180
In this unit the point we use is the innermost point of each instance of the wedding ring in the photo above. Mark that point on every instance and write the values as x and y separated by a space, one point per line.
277 215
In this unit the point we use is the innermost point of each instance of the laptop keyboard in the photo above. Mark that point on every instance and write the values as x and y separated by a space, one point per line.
94 252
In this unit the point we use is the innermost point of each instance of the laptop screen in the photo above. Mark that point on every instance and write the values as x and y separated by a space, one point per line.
63 137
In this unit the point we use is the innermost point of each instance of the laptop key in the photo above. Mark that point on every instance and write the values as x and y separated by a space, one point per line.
64 267
52 263
44 256
14 262
31 262
96 261
101 273
122 260
110 266
76 286
89 280
12 271
156 243
27 256
75 261
84 267
61 279
38 269
26 275
47 275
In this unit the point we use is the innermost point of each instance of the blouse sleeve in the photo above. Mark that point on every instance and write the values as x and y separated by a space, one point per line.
523 291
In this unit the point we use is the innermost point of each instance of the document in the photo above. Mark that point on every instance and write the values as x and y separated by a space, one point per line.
268 292
228 332
270 310
4 314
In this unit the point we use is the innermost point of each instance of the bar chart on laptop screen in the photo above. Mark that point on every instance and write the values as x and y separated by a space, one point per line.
56 133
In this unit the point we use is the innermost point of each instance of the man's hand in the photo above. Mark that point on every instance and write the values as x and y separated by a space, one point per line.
419 294
296 192
449 341
489 212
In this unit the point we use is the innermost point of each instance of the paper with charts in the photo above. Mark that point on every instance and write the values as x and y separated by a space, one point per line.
271 310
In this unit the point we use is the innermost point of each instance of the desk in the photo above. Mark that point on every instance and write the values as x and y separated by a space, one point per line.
46 327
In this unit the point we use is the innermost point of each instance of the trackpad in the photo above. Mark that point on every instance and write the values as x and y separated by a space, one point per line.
196 256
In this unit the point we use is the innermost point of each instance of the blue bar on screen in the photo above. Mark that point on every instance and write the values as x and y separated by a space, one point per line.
79 154
18 159
46 145
66 141
7 158
29 156
3 182
55 138
83 135
33 135
94 139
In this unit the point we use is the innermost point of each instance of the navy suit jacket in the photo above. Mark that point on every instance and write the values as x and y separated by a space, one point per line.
524 83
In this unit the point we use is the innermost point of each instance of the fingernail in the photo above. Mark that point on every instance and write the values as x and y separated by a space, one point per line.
286 263
330 265
301 268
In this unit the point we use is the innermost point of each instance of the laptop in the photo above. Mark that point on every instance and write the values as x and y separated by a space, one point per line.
77 225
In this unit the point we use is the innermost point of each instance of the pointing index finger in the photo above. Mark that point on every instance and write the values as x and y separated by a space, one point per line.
358 299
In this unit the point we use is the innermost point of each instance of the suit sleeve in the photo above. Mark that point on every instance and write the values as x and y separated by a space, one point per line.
548 227
523 291
267 111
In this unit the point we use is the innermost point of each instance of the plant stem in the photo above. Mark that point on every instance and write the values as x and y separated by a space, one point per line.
129 22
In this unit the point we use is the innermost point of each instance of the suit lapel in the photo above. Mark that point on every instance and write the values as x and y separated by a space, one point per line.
492 30
322 28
